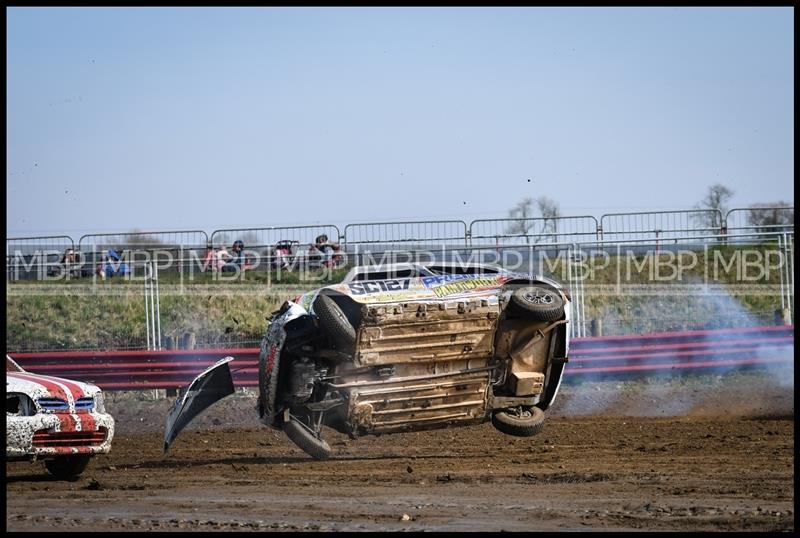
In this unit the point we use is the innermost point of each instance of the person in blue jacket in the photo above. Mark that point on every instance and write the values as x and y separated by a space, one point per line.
114 266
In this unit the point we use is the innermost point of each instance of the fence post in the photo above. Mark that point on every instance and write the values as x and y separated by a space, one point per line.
158 305
789 276
596 327
188 341
782 316
170 344
146 306
790 270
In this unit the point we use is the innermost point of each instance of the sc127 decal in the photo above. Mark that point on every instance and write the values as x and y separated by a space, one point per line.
378 286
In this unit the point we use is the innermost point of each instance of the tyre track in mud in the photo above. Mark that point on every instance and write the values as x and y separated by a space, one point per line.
587 472
726 464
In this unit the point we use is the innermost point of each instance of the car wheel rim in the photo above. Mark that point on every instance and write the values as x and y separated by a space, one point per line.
535 298
520 413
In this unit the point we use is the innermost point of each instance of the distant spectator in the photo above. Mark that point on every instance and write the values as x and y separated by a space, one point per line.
70 257
282 253
70 264
236 261
216 258
113 266
328 250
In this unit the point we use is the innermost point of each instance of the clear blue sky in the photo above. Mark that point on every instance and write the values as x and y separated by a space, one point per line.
217 118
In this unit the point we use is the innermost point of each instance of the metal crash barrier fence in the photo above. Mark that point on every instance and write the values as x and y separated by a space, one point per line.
407 234
534 230
661 224
141 369
31 257
771 218
174 250
280 246
717 350
637 355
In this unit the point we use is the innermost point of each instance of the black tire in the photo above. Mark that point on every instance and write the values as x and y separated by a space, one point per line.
519 421
67 467
538 303
335 323
318 449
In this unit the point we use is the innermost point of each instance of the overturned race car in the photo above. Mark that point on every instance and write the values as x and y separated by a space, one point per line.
59 421
403 348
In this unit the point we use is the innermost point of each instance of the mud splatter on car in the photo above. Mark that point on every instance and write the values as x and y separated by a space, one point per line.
60 421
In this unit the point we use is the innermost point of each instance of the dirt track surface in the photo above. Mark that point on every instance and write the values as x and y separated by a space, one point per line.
696 471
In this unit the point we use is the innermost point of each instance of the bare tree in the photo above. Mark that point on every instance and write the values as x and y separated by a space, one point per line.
772 217
522 213
525 220
550 211
716 198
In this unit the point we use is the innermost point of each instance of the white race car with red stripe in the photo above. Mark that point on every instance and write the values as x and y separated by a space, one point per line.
57 420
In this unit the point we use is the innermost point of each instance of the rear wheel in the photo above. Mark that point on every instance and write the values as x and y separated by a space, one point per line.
536 302
335 323
67 467
520 421
303 437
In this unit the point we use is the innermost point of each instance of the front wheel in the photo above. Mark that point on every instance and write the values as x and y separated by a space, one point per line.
67 467
537 303
303 437
335 323
521 421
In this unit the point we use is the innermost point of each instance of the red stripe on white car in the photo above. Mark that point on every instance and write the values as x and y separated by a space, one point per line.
88 423
69 423
56 390
74 389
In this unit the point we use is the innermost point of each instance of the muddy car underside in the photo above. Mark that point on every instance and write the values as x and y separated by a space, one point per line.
418 350
409 365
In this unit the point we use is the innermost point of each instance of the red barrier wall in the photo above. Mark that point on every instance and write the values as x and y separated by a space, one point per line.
635 355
